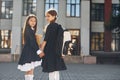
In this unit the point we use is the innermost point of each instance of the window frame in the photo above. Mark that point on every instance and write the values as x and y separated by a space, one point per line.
99 38
115 8
8 36
96 13
49 3
75 4
9 7
29 3
115 37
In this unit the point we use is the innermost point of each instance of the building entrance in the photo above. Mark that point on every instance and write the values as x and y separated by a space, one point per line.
72 47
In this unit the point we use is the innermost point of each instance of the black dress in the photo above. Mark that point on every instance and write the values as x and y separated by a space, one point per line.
52 61
29 58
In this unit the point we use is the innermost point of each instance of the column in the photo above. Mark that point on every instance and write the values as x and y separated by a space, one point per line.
16 27
108 33
85 27
40 16
62 12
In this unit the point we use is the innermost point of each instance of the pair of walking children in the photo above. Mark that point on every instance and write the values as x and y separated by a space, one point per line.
48 54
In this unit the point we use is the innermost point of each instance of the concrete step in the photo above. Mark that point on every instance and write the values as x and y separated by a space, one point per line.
73 59
67 59
5 57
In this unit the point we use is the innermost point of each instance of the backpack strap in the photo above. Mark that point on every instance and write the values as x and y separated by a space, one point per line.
59 43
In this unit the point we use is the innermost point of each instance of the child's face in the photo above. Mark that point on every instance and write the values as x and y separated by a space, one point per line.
49 17
32 22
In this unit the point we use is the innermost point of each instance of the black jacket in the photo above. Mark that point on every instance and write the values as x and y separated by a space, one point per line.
54 38
29 51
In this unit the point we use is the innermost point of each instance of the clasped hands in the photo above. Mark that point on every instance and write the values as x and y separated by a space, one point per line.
41 53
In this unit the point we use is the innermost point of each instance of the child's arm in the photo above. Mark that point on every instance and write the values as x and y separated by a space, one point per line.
43 45
41 51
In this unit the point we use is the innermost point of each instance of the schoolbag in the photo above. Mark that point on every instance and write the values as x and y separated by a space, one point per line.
59 41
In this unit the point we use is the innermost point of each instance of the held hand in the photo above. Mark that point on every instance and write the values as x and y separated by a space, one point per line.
41 54
63 55
40 45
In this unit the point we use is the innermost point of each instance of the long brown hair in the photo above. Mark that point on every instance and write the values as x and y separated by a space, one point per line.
26 25
52 12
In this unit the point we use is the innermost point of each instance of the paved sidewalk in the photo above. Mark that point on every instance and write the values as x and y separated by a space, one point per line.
8 71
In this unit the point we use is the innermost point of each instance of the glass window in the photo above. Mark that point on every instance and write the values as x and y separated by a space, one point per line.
29 7
72 47
73 8
115 10
97 41
97 13
51 4
115 45
68 1
6 9
5 39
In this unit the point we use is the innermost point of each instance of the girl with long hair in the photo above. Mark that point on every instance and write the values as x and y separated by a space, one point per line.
29 58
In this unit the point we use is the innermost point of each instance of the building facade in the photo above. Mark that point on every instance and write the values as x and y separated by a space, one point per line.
84 19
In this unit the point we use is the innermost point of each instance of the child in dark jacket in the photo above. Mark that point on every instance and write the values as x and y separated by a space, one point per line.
29 58
52 47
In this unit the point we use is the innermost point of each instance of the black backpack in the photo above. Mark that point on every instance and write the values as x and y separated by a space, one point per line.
59 41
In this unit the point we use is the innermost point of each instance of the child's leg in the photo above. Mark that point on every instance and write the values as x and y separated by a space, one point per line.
57 75
51 76
31 72
29 75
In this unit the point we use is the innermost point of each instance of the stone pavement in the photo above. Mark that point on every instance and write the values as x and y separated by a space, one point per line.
8 71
